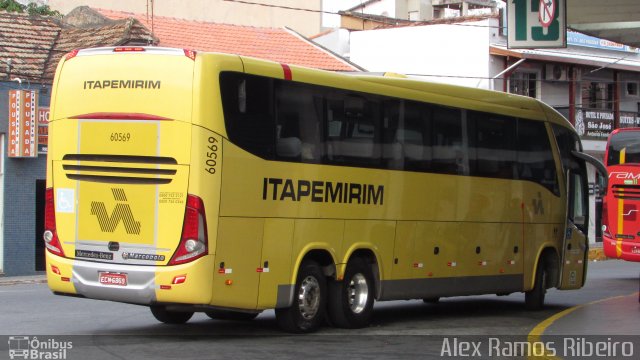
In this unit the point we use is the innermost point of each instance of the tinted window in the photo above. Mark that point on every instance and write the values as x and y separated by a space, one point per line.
567 142
299 114
449 152
247 104
535 158
290 121
353 130
493 145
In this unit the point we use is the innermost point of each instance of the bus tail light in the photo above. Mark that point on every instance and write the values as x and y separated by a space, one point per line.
193 242
50 235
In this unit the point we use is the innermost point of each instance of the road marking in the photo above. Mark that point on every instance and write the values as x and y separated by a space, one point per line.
538 330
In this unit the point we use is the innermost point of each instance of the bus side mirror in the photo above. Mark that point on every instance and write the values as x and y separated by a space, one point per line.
600 169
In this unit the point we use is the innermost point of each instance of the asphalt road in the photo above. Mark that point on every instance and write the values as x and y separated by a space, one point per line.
400 329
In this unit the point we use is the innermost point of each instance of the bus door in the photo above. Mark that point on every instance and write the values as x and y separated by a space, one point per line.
576 242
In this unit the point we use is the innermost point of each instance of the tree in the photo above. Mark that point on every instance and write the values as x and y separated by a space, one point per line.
32 9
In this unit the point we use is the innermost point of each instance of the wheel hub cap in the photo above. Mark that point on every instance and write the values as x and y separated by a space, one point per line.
358 293
309 297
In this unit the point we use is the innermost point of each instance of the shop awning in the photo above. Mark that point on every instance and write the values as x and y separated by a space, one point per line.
573 55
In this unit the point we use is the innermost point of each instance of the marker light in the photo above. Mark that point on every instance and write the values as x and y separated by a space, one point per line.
72 54
120 49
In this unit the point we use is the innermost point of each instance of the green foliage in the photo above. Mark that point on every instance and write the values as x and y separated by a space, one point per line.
11 6
31 9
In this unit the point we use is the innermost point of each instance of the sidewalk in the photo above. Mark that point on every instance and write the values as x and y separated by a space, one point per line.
596 253
15 280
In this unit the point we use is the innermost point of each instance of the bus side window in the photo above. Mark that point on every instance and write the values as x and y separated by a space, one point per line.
391 147
535 158
354 132
494 145
447 142
414 135
298 114
246 102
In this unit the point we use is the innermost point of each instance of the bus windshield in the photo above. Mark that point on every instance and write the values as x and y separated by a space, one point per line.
624 148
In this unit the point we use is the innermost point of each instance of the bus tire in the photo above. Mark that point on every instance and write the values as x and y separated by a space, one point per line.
351 300
230 315
307 312
170 317
534 299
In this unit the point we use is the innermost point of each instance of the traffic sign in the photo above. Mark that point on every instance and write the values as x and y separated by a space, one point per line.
536 24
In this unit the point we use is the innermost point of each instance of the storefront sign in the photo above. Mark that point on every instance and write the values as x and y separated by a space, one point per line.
629 120
579 39
594 124
23 110
43 129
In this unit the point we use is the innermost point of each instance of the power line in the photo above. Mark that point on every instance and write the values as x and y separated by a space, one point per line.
343 13
282 7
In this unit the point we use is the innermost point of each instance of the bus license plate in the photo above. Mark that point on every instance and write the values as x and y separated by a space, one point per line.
635 250
115 279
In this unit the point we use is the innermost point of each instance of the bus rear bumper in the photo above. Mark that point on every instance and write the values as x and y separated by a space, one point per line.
189 283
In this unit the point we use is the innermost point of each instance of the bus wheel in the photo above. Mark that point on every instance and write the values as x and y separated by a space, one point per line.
351 300
534 299
230 315
170 317
307 312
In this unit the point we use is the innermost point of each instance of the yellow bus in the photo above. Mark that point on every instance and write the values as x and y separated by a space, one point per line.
201 182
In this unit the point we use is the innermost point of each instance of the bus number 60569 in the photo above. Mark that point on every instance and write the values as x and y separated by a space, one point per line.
212 155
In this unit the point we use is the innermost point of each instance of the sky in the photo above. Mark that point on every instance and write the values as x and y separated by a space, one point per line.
329 20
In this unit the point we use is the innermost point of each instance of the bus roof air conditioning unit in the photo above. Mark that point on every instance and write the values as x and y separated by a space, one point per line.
554 72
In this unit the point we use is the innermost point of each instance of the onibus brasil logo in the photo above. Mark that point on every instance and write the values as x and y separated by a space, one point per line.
26 347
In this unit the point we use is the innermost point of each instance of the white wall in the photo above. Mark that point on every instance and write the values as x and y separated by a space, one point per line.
336 41
454 54
384 8
555 93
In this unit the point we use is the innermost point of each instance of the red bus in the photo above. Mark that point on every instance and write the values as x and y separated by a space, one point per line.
621 204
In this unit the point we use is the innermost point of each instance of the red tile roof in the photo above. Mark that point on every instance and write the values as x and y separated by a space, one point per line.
25 44
280 45
32 46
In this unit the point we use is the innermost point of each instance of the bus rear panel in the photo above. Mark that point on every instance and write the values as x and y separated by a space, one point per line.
126 219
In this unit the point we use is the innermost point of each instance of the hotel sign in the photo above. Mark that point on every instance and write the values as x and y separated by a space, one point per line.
23 123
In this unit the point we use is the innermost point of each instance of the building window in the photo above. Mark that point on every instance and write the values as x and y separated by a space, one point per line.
632 89
597 95
524 83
